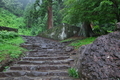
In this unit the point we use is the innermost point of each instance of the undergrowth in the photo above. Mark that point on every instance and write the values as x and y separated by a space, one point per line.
9 45
7 19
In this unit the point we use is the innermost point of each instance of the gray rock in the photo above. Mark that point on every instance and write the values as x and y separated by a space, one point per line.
69 48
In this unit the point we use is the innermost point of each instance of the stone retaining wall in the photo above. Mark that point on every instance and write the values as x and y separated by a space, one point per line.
100 60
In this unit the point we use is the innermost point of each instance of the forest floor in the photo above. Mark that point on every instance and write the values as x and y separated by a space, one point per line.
45 60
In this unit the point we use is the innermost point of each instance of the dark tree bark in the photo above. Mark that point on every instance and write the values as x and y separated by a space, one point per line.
86 30
50 15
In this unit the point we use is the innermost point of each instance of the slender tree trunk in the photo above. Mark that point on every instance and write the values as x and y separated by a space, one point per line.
86 30
50 16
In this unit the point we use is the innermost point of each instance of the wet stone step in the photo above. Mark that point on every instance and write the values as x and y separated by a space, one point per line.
44 62
12 74
60 78
39 78
47 74
45 54
18 78
38 68
46 58
32 74
46 50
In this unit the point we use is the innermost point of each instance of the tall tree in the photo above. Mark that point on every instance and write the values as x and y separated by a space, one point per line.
51 8
54 15
50 14
103 11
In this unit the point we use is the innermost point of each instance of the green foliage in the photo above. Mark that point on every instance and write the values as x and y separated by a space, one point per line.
79 43
35 23
103 11
5 68
8 19
102 29
8 35
34 18
73 73
9 45
24 31
9 51
36 15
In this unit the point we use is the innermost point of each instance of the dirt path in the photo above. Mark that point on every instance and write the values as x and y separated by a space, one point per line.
45 60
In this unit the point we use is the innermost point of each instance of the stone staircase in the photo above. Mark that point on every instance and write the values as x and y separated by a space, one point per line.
45 60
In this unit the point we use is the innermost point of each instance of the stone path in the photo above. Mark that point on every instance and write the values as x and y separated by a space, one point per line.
45 60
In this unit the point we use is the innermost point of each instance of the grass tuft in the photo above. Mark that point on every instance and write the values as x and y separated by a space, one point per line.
73 73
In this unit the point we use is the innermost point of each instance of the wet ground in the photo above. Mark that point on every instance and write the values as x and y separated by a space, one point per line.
45 60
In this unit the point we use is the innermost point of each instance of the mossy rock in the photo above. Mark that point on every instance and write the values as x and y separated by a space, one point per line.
60 32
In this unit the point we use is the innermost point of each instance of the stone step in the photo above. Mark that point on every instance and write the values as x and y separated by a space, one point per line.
39 78
32 74
46 62
39 68
12 74
46 58
47 51
45 55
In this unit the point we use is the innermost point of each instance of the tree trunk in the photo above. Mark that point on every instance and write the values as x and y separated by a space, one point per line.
50 19
86 30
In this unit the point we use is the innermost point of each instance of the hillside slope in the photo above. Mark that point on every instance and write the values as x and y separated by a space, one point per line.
8 19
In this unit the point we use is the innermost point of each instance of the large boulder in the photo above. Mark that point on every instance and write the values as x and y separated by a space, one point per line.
100 60
60 32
